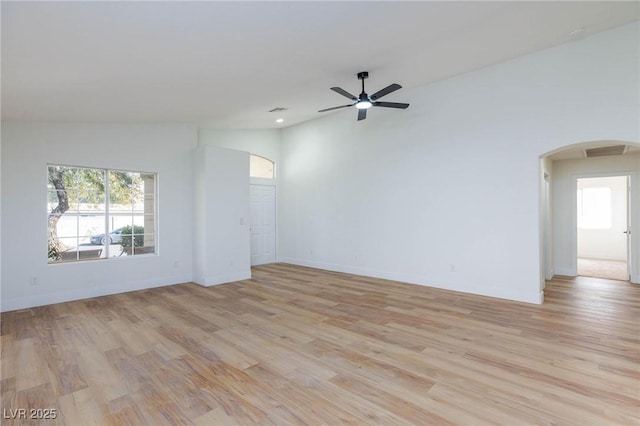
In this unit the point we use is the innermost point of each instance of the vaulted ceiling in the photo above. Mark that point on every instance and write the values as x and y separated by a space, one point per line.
227 64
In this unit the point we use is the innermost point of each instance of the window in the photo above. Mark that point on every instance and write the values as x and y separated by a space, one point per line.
260 167
594 208
100 213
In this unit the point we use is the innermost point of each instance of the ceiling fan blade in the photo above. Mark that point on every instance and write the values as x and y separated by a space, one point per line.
344 93
362 114
338 107
383 92
391 105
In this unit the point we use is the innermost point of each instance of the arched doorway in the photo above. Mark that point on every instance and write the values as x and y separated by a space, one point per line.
561 171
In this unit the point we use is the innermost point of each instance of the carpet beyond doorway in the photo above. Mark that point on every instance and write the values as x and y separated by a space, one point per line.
602 268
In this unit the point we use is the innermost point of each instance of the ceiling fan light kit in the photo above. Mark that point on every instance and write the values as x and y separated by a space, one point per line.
364 101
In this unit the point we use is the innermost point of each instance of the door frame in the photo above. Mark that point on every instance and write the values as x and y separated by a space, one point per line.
633 212
548 229
266 182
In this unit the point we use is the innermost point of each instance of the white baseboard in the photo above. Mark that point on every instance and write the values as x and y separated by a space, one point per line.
86 293
509 293
567 272
635 279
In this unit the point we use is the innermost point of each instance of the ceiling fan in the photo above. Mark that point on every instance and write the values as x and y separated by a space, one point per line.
364 101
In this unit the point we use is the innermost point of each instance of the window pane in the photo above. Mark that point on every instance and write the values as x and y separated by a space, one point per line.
147 246
67 225
77 206
68 250
87 253
91 227
149 240
594 208
125 189
81 252
54 197
146 242
260 167
134 240
118 222
115 250
90 186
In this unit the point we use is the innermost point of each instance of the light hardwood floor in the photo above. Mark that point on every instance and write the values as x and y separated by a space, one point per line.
302 346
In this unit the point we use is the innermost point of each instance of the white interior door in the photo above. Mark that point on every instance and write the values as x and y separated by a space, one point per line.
263 224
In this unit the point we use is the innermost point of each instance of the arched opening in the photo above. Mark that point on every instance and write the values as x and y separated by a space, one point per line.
581 176
261 167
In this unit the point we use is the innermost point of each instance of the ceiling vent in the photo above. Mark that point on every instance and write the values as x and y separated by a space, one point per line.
606 151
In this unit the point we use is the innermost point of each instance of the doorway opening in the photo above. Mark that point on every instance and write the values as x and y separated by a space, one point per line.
602 227
559 172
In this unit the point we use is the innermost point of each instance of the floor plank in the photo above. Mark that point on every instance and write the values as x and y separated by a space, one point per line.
296 345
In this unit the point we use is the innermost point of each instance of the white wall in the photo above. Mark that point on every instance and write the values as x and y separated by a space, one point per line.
1 198
608 243
221 216
200 210
454 179
27 148
564 178
265 143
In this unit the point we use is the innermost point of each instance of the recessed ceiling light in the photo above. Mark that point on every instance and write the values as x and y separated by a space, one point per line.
279 120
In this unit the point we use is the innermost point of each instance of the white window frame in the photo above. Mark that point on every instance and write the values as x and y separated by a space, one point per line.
107 216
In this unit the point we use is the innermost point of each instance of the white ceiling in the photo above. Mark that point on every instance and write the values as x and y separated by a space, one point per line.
225 64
